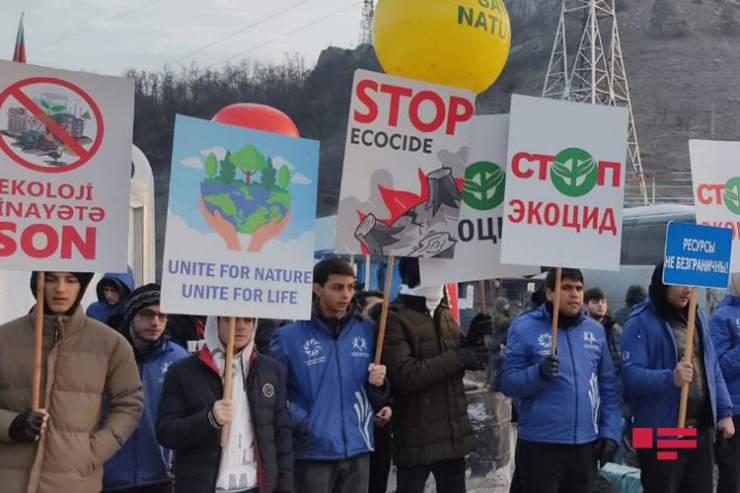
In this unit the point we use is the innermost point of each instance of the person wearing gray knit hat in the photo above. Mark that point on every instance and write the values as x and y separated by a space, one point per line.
143 296
141 464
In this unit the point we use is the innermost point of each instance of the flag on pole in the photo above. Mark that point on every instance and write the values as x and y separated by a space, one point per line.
19 54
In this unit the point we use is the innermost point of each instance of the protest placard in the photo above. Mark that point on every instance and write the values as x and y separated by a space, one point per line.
697 256
564 184
403 167
715 173
240 223
65 152
480 235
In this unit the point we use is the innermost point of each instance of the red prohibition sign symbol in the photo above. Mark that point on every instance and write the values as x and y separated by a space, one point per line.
19 90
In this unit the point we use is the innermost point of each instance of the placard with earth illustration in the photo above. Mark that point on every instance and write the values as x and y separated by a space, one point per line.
240 223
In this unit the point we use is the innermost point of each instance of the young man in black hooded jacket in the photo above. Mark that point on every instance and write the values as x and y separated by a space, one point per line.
426 362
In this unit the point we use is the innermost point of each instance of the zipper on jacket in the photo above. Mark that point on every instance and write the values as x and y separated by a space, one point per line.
575 386
341 396
437 324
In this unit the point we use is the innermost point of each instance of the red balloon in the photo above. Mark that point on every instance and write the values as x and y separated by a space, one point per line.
258 117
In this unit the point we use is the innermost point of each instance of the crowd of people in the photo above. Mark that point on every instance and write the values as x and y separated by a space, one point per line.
132 399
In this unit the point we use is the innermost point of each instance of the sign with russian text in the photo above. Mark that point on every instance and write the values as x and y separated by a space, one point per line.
240 223
697 256
480 235
715 172
404 166
65 152
564 184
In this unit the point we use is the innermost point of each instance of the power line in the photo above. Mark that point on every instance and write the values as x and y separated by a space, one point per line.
96 26
240 31
300 28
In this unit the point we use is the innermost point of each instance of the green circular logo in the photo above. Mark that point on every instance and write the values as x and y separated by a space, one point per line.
731 195
574 172
484 186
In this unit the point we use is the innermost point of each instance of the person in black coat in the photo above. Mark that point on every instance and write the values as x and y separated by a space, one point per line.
192 413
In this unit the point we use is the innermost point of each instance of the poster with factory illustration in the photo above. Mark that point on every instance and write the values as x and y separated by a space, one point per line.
65 156
404 167
240 222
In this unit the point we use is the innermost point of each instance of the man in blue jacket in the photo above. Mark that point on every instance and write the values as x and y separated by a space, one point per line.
334 390
142 465
724 327
654 369
113 291
569 415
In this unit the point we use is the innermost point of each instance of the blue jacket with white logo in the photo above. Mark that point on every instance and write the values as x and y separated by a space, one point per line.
649 356
142 461
329 396
724 328
582 402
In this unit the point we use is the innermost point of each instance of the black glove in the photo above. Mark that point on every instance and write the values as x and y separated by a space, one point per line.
480 326
604 450
474 358
549 367
26 427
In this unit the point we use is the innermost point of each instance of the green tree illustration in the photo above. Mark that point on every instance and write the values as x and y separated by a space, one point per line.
228 171
268 176
211 166
249 160
283 177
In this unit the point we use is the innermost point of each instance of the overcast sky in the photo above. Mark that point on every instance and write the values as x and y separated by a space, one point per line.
110 36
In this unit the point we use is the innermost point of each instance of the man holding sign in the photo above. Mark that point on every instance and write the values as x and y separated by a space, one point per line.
334 389
569 415
63 445
192 413
655 367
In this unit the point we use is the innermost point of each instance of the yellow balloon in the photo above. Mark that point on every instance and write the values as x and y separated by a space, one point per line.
460 43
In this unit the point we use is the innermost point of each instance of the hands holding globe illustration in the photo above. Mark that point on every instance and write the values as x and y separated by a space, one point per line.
256 203
230 235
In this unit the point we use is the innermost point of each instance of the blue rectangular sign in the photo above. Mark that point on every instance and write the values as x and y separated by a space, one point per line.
697 256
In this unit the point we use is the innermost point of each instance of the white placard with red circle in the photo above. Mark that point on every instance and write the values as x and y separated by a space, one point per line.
65 152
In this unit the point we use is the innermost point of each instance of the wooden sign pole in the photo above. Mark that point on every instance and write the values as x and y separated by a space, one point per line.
367 272
227 377
384 311
38 340
687 356
482 297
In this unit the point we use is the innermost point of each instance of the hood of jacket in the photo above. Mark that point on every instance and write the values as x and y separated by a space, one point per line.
123 280
84 279
217 349
658 293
